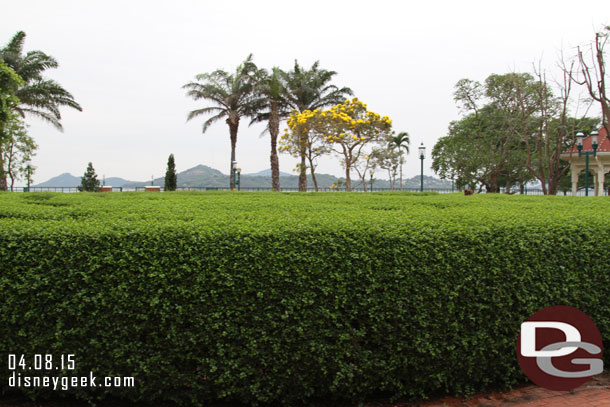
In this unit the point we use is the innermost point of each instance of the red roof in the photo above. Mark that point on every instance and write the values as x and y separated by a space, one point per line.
603 143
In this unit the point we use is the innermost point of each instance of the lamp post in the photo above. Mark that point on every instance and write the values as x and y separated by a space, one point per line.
422 155
234 168
28 175
579 144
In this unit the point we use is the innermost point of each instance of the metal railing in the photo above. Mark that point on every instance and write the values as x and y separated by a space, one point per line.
526 191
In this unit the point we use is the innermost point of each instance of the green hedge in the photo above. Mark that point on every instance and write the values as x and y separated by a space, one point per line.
292 298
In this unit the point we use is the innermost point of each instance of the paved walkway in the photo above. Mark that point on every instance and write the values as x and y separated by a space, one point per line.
594 393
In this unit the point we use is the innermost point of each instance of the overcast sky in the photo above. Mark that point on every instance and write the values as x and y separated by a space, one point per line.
125 62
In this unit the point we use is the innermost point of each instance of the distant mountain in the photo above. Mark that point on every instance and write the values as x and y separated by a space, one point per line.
114 181
196 177
265 173
63 180
204 176
68 180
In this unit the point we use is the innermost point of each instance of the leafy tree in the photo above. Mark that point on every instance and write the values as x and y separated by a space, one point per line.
478 151
233 95
17 149
309 90
389 158
366 166
9 83
345 129
171 179
36 95
401 142
515 130
89 181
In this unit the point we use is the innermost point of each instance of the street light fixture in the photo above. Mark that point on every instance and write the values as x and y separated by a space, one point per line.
580 136
422 155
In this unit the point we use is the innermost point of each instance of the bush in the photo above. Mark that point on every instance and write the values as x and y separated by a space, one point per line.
286 298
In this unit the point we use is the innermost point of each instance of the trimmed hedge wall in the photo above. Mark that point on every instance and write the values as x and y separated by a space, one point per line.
291 298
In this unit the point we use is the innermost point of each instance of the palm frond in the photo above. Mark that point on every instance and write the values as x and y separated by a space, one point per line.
213 120
15 45
38 96
45 116
203 111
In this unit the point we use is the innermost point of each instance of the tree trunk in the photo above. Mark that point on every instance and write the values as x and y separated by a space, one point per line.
233 126
303 166
303 175
364 182
400 175
493 184
313 174
3 183
348 180
553 184
12 181
274 130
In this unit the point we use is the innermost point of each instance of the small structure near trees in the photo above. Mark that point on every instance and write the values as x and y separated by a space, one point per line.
599 164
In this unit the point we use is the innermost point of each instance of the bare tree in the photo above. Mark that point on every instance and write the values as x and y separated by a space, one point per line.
552 132
592 70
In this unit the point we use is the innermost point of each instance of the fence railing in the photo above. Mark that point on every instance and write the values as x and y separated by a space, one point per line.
526 191
245 189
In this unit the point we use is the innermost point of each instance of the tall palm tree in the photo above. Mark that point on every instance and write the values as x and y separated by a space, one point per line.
37 95
272 108
233 96
401 142
310 89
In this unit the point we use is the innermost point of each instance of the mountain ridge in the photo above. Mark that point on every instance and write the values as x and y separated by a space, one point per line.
203 176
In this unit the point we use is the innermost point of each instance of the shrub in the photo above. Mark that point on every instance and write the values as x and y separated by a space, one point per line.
285 298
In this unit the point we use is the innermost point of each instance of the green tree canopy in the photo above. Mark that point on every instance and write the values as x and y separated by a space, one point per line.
89 181
30 92
311 89
171 179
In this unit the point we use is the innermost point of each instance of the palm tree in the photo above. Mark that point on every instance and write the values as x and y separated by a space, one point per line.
234 97
272 108
37 96
309 90
401 142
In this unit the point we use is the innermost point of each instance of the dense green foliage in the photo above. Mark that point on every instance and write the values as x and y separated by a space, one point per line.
89 181
171 179
261 297
26 91
513 132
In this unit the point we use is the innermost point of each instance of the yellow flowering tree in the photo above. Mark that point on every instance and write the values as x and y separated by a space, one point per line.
346 129
300 141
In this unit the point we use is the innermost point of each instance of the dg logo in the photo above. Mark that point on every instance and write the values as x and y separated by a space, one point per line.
560 348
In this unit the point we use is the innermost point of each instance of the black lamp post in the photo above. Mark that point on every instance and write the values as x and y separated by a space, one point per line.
28 175
579 144
238 180
422 155
234 165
